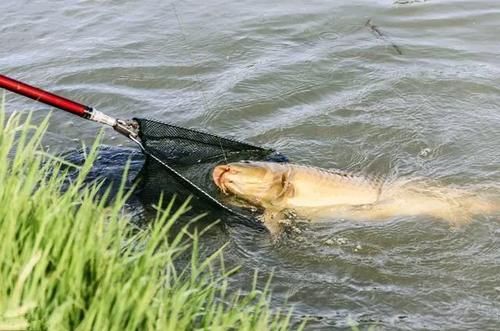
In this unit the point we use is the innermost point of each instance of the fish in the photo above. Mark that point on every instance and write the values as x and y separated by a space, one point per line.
318 194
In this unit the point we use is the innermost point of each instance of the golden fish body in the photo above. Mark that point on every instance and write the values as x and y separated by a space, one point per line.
294 186
316 193
315 188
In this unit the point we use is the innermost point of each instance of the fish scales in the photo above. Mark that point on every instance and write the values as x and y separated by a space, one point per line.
314 187
339 175
323 194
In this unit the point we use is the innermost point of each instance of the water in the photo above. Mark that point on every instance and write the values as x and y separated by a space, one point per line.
315 82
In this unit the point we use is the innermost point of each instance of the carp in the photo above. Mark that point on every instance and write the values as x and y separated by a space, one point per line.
319 194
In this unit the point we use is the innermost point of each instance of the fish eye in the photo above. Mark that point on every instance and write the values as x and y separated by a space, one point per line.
245 161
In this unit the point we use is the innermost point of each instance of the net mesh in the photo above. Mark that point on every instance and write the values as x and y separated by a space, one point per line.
180 161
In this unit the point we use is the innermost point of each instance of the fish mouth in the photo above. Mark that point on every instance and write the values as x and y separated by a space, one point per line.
217 176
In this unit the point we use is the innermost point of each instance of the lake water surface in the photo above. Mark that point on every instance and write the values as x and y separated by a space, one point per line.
415 92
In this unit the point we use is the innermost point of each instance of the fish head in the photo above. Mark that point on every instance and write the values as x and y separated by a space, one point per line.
260 183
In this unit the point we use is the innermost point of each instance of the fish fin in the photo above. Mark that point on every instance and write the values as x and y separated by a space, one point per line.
271 220
287 188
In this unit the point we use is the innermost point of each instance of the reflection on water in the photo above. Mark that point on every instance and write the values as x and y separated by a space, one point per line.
314 81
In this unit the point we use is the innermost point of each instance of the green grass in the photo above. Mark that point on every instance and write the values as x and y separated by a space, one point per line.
71 262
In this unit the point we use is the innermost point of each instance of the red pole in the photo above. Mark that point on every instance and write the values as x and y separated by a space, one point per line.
45 97
127 128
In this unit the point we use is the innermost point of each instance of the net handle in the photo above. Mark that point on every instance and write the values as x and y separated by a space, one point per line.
45 97
124 127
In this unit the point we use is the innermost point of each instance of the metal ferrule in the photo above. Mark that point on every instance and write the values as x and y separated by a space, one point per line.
128 128
99 117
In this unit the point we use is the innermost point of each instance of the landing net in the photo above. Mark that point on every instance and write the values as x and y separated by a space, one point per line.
180 161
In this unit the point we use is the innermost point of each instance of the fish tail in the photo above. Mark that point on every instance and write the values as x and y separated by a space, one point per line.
480 205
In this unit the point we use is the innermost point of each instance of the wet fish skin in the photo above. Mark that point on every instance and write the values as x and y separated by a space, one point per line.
294 186
320 194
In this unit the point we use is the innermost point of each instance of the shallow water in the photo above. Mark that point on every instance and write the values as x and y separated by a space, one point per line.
317 83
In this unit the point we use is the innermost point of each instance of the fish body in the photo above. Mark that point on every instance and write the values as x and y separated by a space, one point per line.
315 188
318 194
294 186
